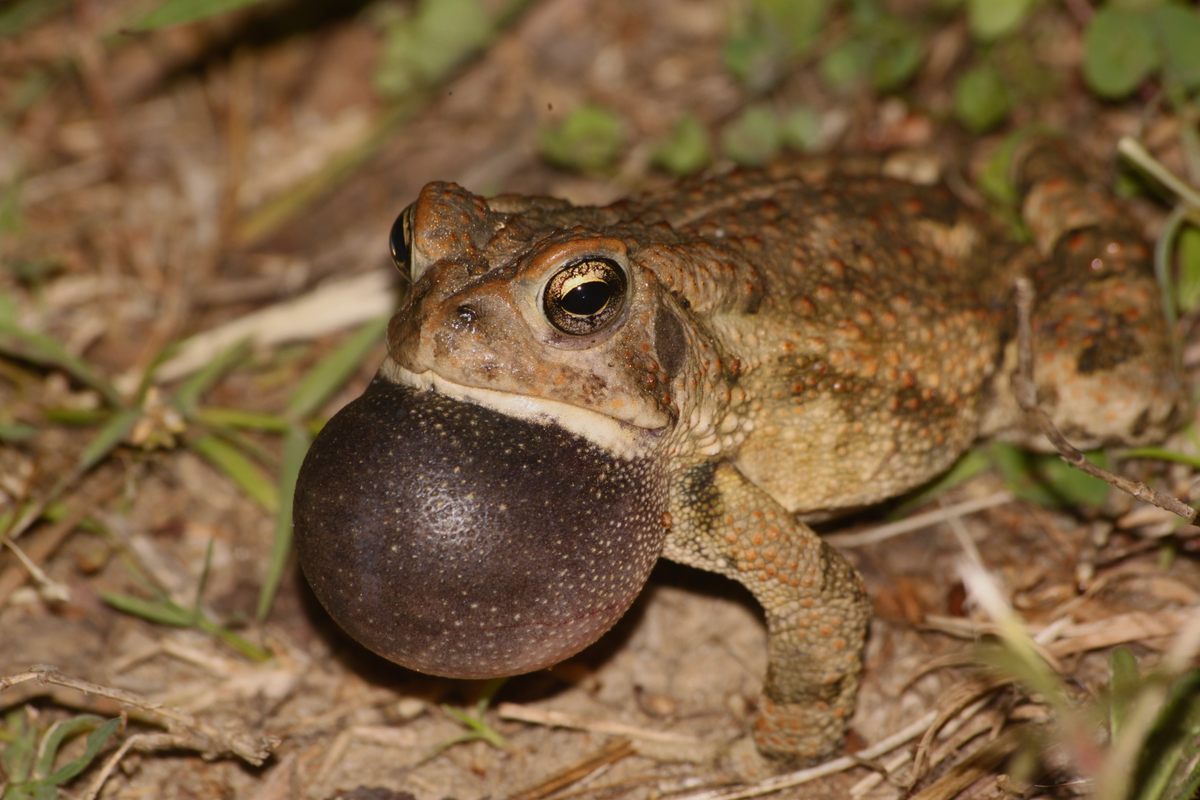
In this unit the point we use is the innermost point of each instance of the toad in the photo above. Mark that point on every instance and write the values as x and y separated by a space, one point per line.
572 392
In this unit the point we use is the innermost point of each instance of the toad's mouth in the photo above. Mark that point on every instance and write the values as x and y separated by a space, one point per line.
620 437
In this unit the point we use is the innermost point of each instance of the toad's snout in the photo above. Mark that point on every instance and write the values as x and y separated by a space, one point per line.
458 541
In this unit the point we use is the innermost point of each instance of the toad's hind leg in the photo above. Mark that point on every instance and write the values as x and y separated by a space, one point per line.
1104 365
815 604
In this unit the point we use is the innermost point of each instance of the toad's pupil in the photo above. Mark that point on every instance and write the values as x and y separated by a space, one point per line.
398 239
587 299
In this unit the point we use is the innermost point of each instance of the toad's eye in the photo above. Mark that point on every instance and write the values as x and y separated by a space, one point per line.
585 296
400 240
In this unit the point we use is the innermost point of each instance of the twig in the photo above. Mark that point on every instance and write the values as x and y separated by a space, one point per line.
800 777
49 540
97 783
186 731
881 532
558 719
612 753
1026 394
1132 149
966 699
48 587
979 764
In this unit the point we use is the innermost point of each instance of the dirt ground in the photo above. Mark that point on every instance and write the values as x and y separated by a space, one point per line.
168 183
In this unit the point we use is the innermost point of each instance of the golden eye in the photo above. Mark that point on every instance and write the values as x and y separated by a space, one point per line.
400 240
585 295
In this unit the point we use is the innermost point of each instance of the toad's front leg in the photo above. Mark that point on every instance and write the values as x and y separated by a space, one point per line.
816 607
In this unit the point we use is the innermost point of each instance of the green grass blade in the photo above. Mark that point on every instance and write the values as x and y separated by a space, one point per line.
295 445
972 463
203 581
22 15
1122 685
162 611
41 349
217 417
179 12
187 398
1163 454
13 432
104 442
115 431
248 476
477 726
78 417
334 370
233 640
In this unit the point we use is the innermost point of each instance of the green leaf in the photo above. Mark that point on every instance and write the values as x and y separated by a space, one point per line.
980 99
590 139
754 58
332 372
802 129
421 49
1046 479
20 746
1072 486
1178 32
972 463
1187 288
992 19
295 445
686 150
996 177
20 16
898 54
178 12
55 735
846 65
798 21
1119 52
96 740
753 137
234 464
769 34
